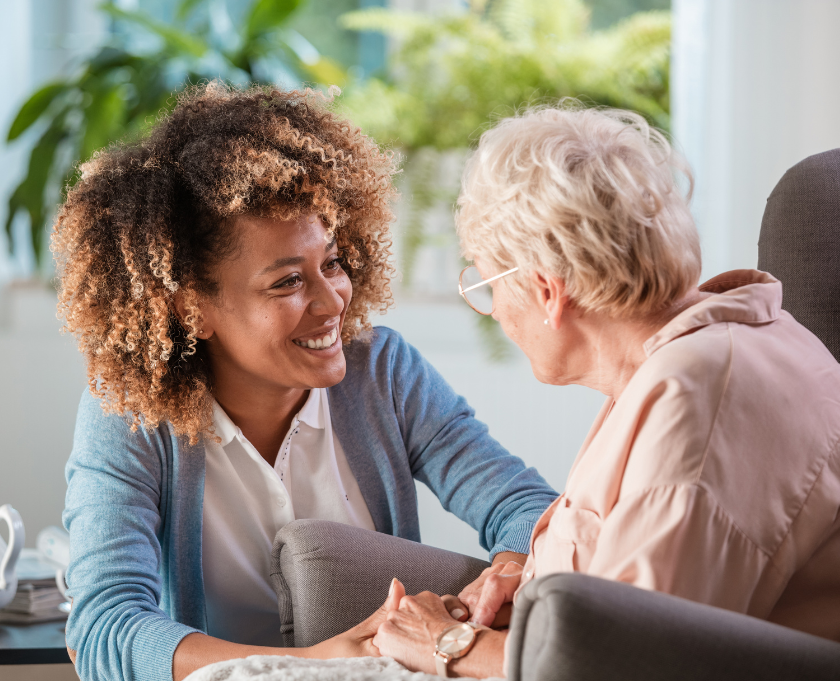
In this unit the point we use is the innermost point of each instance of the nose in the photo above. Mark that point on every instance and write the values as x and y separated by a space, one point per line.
326 299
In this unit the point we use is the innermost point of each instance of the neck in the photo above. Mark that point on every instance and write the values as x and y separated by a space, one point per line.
263 413
605 352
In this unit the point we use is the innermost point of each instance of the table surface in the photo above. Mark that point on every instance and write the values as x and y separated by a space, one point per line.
33 643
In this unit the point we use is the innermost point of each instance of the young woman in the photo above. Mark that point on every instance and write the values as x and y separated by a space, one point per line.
219 275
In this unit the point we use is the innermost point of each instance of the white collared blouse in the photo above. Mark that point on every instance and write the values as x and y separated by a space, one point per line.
247 501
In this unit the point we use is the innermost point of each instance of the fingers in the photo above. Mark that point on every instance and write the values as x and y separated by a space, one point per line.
471 594
498 589
457 610
395 594
502 619
425 603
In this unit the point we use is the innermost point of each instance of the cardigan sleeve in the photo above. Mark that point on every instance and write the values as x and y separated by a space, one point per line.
453 453
116 481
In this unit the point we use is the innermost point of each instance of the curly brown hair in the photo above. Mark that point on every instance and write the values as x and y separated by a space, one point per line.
154 216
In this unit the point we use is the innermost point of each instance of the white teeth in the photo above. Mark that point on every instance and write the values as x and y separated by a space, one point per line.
320 343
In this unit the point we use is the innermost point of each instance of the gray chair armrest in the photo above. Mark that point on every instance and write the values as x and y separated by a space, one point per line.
579 628
329 577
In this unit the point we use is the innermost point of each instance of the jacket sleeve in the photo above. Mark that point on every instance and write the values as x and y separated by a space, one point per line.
453 454
116 480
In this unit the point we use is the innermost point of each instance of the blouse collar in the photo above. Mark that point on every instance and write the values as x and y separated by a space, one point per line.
743 296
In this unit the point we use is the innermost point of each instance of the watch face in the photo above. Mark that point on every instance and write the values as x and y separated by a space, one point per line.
456 639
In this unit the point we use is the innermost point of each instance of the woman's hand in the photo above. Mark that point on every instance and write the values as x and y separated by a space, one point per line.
490 597
409 634
358 641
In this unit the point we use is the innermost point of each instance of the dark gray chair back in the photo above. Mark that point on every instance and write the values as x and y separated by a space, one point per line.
800 244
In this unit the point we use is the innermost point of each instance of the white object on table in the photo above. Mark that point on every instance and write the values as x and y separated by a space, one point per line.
17 536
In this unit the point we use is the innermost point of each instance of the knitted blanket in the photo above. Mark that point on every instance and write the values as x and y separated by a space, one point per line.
284 668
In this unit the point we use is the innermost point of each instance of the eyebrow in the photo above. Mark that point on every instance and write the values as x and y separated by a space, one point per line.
285 262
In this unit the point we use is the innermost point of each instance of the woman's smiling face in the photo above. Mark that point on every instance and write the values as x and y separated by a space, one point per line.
276 321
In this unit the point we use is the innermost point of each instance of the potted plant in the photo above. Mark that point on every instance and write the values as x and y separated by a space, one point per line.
451 75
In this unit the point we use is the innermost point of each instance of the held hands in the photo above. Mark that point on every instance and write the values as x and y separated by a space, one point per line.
409 632
358 641
490 597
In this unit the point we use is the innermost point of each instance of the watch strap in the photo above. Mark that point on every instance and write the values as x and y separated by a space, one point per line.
442 664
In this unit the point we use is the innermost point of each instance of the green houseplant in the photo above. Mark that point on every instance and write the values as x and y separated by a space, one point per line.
122 88
452 75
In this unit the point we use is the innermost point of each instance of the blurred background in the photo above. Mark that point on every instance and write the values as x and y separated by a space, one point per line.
746 88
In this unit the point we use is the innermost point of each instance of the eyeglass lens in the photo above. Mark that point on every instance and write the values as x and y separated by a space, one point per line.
480 298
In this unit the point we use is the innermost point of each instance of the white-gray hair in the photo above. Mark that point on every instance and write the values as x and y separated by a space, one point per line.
588 195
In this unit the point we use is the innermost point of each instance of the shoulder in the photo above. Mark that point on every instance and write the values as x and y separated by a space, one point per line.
108 442
93 422
706 351
380 341
379 353
670 407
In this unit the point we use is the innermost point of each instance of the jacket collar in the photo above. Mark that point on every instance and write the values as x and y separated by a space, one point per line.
743 296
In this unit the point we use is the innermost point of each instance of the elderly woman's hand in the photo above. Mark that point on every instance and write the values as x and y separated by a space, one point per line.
409 634
490 597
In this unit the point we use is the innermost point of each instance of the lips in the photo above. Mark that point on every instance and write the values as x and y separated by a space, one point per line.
319 342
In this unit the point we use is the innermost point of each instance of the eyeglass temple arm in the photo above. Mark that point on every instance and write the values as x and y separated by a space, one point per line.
487 281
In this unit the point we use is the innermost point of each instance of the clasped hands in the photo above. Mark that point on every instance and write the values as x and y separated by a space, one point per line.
406 628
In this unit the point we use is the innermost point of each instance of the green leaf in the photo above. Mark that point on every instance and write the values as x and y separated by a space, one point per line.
388 21
34 107
267 15
176 40
109 58
185 8
325 71
29 195
103 120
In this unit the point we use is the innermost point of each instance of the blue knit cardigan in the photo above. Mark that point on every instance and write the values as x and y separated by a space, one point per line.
134 502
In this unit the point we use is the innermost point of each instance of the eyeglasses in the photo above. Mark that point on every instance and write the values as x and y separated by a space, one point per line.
472 287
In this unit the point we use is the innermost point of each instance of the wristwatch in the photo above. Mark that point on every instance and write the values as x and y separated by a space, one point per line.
454 642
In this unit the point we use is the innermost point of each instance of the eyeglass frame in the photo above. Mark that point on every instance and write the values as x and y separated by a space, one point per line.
463 291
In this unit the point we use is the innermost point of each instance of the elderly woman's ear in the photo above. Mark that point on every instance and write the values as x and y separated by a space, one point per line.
549 292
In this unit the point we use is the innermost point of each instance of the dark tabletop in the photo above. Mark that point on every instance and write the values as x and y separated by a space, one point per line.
33 643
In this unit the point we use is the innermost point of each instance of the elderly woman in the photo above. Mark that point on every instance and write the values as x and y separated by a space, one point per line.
713 469
220 274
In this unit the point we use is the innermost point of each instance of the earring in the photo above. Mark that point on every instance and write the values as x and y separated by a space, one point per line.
545 321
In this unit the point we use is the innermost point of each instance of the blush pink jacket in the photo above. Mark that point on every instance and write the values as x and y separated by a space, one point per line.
716 474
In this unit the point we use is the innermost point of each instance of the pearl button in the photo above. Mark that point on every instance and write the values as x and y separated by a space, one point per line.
281 502
528 574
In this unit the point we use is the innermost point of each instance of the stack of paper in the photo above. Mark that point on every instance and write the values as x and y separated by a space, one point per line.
38 598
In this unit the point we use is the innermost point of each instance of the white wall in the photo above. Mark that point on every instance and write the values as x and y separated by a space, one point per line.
41 374
41 380
755 89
